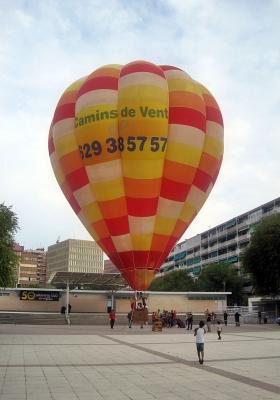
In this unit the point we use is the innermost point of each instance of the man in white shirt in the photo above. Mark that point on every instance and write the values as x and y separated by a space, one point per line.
199 333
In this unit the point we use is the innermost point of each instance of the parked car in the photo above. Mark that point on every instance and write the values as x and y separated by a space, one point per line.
277 321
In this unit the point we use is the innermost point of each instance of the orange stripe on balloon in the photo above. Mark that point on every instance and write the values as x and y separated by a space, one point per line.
178 172
142 188
208 164
68 97
186 99
101 229
159 242
112 72
70 162
113 208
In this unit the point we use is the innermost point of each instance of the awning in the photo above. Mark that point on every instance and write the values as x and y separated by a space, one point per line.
109 281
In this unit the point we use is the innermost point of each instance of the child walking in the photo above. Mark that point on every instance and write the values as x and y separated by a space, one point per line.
199 333
219 330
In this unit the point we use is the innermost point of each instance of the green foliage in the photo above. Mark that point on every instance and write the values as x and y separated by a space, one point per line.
262 257
221 277
175 281
8 258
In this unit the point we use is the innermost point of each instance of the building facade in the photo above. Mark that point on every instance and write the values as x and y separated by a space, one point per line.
225 243
109 267
32 267
74 256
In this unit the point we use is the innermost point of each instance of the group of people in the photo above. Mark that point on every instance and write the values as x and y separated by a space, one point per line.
168 318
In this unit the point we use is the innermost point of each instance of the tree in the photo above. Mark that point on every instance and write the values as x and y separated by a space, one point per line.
8 258
262 256
220 278
175 281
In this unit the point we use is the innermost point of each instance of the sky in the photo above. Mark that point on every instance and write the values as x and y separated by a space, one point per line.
231 47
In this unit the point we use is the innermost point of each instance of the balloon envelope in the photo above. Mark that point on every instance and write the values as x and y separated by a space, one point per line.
136 150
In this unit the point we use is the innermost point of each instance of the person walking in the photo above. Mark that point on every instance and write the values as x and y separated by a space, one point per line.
112 316
225 318
219 330
199 333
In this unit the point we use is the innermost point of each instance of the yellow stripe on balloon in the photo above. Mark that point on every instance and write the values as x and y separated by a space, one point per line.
142 169
108 190
141 242
183 153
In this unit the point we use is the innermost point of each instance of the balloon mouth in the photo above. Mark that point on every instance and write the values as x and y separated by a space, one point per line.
139 279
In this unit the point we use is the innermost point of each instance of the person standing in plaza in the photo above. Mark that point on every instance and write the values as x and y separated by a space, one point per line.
219 330
259 317
129 317
225 318
189 321
199 333
236 318
208 322
112 317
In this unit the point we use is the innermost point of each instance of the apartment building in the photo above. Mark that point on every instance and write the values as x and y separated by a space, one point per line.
110 267
74 256
32 267
224 243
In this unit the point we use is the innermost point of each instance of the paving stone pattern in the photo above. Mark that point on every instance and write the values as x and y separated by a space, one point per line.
42 363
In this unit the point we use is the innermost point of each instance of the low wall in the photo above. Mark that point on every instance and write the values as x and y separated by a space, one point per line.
97 302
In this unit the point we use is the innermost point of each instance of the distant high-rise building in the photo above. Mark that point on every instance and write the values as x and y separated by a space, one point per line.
224 243
74 256
109 267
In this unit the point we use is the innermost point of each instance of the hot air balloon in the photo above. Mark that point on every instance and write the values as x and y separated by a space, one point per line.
136 150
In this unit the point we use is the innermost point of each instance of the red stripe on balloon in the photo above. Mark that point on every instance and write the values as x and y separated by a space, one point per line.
141 258
100 82
169 68
174 190
127 259
213 114
74 204
118 226
187 116
77 179
51 144
108 245
63 112
141 207
154 258
202 180
141 67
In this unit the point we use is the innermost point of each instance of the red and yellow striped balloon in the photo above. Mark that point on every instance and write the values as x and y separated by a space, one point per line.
136 150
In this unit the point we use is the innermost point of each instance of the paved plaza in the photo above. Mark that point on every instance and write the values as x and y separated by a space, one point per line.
95 362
